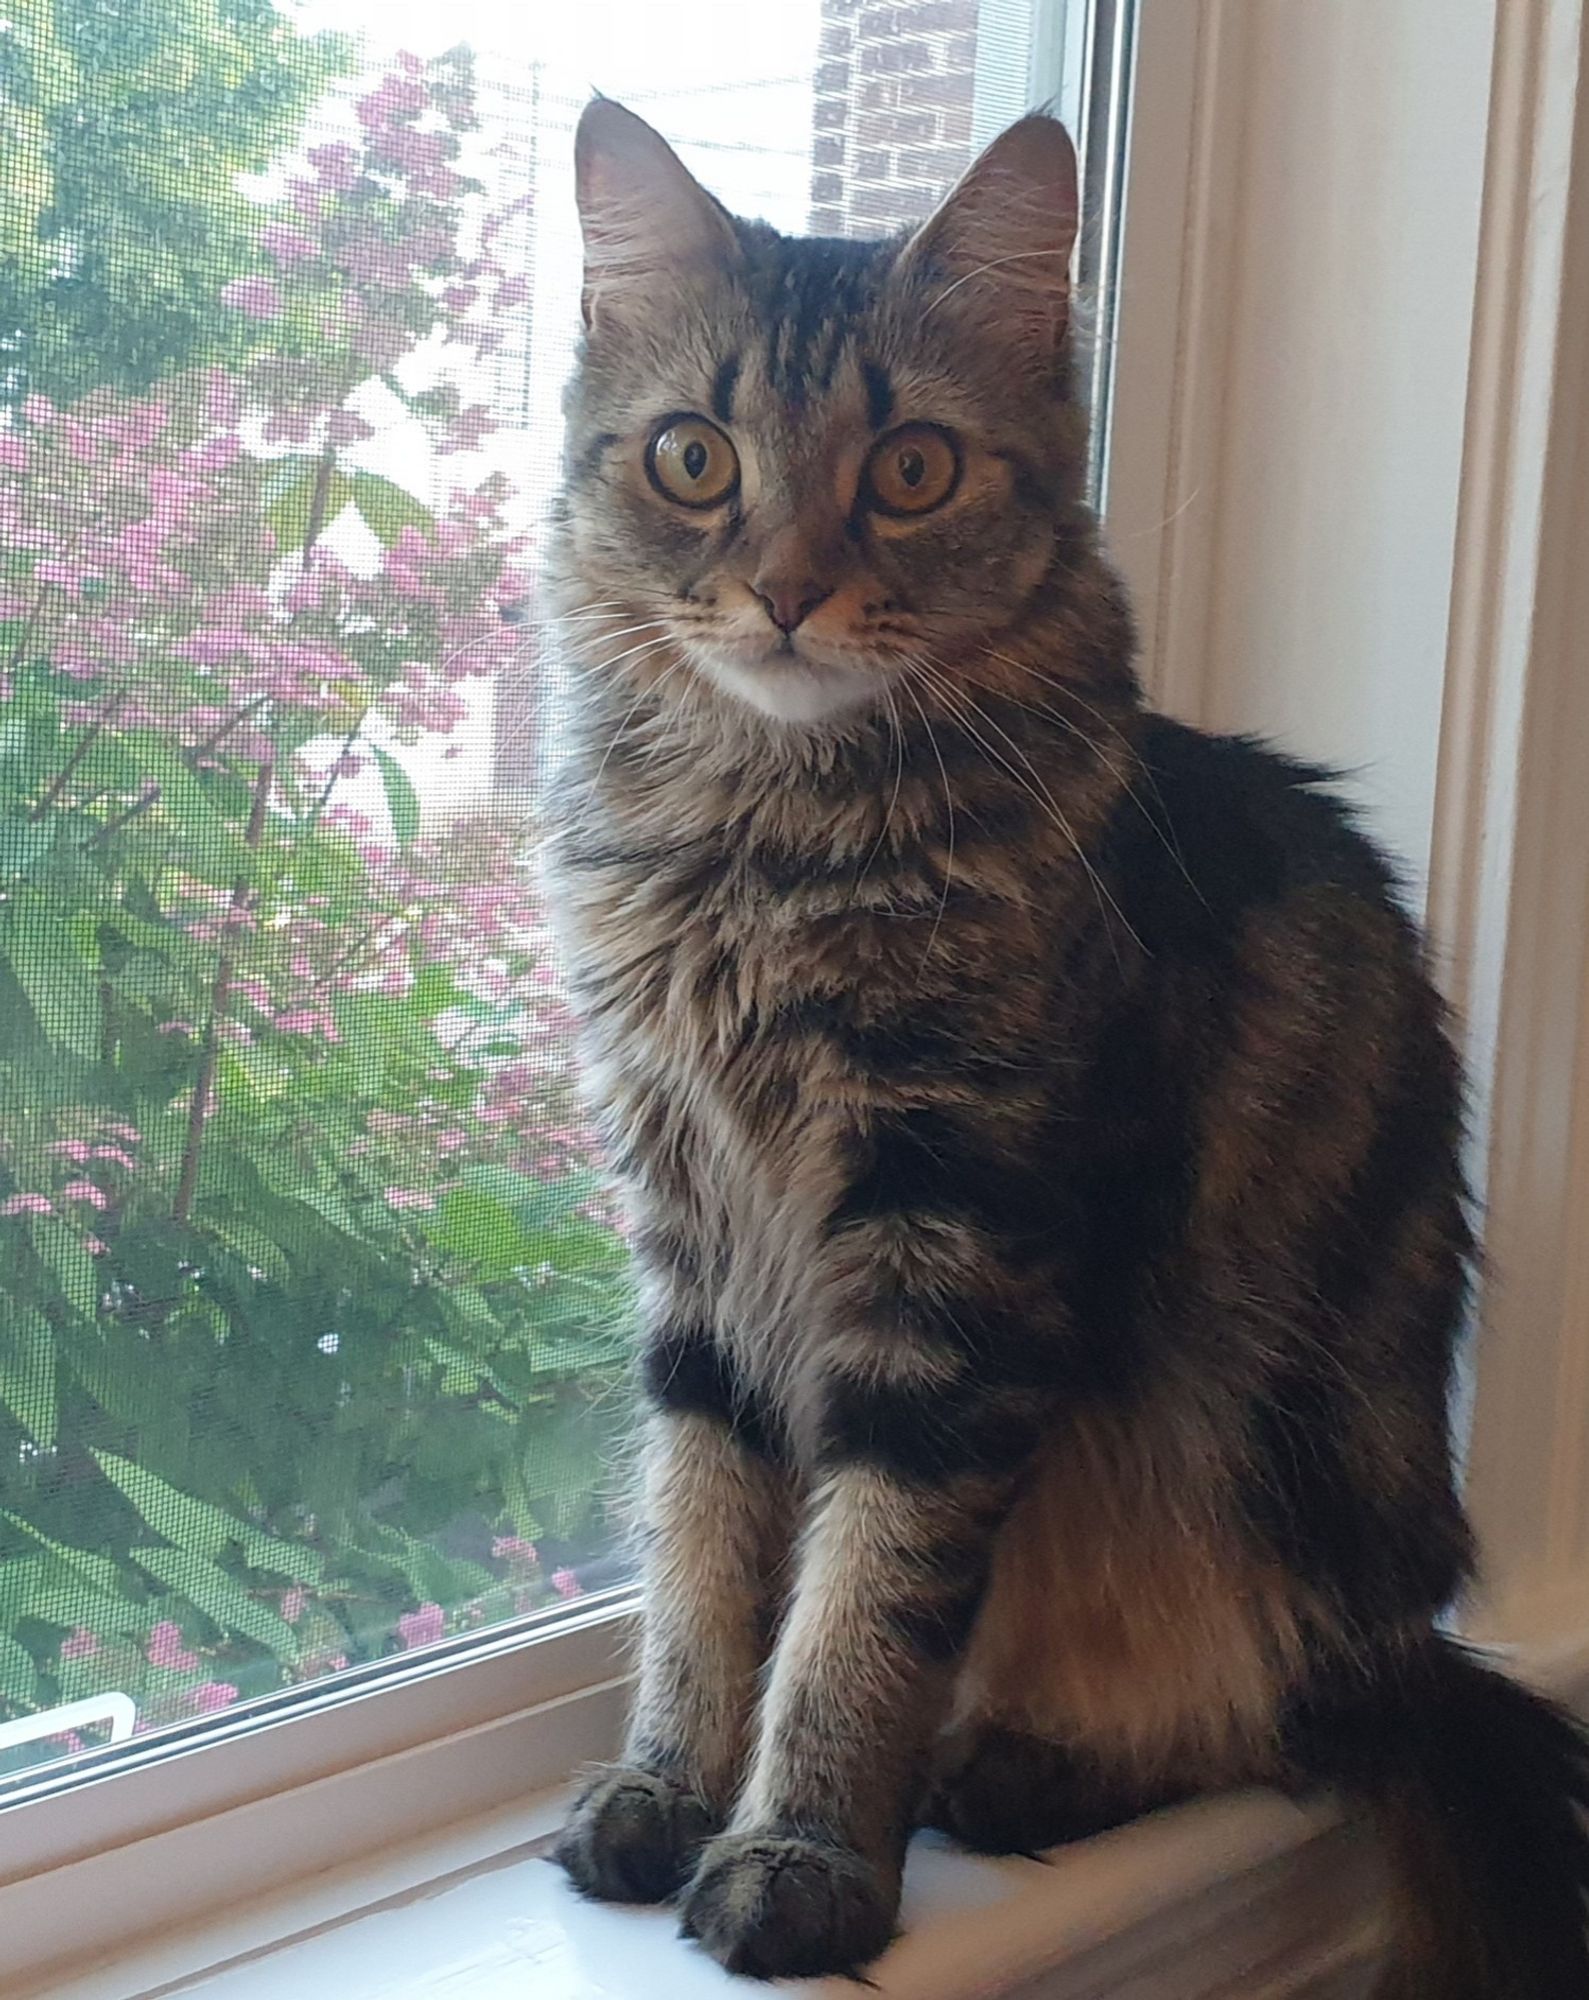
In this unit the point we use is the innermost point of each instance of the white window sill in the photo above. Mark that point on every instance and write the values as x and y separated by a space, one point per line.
1243 1897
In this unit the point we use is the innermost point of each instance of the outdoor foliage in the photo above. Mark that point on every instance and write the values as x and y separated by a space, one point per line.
312 1312
124 125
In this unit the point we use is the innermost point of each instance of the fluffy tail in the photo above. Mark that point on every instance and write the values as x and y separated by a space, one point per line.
1480 1788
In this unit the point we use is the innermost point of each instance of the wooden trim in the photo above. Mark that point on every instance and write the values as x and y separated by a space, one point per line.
1172 373
1509 898
169 1836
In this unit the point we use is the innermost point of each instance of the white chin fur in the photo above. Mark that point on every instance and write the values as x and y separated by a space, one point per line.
792 690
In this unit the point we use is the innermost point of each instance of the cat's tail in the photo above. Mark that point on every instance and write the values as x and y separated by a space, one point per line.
1481 1789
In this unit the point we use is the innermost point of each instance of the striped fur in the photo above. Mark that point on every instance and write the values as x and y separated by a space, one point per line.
1041 1134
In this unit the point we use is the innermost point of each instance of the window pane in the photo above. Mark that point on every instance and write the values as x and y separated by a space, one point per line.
314 1312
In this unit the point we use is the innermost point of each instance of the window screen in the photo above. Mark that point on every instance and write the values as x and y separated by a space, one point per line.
314 1313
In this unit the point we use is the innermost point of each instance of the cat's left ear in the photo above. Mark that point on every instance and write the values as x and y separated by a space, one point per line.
643 213
1004 234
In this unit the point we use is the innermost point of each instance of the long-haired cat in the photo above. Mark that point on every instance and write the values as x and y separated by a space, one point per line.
1041 1135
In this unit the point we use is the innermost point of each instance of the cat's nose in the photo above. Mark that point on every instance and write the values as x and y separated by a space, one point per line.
789 600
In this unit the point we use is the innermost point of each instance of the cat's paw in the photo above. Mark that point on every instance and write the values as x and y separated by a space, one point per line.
776 1907
633 1835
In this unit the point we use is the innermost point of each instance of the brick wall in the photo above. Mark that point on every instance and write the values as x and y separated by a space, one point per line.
892 127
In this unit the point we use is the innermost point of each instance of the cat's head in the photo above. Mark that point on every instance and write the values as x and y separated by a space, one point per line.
802 472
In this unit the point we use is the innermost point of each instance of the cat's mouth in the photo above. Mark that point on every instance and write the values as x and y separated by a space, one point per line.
784 681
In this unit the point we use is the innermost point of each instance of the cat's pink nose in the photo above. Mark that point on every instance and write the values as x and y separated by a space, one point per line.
789 600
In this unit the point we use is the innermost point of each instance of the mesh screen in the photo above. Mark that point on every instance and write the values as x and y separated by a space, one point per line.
313 1311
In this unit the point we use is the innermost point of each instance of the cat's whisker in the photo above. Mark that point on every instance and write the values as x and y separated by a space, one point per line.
949 811
1036 787
899 779
629 715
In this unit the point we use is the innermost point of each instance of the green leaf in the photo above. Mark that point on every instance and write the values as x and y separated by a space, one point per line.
19 1680
27 1373
56 972
201 1529
483 1231
75 1269
388 508
220 1597
401 798
99 1572
293 510
44 1588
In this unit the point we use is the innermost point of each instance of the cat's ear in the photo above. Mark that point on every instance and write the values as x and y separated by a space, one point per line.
1004 234
643 213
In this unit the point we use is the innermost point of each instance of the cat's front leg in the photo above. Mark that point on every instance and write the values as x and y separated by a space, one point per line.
806 1879
716 1518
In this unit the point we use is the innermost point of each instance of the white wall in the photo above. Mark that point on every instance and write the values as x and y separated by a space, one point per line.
1354 263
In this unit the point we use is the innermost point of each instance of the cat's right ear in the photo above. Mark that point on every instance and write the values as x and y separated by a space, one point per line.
643 213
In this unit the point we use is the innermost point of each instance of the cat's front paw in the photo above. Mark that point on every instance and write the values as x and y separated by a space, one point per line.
633 1835
776 1907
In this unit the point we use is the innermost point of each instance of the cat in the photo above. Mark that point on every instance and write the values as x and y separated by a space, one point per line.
1041 1136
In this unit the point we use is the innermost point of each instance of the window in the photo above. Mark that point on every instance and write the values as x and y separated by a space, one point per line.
314 1312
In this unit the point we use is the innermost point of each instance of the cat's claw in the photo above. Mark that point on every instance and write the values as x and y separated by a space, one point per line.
633 1835
775 1907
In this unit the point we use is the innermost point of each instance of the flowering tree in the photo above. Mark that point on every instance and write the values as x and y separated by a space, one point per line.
124 125
312 1313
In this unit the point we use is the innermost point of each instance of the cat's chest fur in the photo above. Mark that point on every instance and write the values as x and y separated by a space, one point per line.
709 996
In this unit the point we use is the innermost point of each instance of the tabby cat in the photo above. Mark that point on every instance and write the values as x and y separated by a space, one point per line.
1041 1135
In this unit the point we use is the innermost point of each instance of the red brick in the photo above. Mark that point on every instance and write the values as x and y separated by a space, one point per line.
896 128
891 204
937 164
951 92
893 58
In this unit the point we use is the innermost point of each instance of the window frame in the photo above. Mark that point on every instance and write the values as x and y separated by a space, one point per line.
97 1853
89 1859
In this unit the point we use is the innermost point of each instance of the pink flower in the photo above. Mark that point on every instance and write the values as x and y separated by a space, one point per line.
165 1648
96 1246
422 1627
210 1697
39 411
337 166
257 297
299 1021
397 1197
514 1549
27 1204
75 1150
566 1584
86 1191
79 1644
293 1600
287 246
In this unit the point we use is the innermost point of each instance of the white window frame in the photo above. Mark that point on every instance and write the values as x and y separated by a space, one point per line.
87 1864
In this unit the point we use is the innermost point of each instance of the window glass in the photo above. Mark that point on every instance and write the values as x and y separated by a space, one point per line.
313 1310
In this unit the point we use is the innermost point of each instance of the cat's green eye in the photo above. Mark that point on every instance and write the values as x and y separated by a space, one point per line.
691 462
912 470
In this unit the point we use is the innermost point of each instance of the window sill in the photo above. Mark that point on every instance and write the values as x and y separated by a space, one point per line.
1247 1896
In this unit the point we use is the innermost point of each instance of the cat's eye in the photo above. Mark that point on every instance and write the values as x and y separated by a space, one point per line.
912 470
690 461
